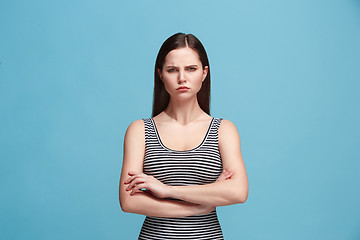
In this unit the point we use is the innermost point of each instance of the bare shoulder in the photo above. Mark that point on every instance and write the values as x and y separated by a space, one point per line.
227 128
228 133
135 130
136 125
226 124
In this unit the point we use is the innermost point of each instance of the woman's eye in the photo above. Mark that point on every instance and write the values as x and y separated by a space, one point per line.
171 70
192 69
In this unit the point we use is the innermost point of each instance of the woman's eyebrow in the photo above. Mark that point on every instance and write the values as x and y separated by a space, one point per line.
171 66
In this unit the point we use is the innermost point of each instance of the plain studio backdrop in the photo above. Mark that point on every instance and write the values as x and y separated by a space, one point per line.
75 74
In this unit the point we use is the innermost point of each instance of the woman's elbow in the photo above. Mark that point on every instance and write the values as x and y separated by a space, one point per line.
243 196
124 207
127 207
125 204
240 197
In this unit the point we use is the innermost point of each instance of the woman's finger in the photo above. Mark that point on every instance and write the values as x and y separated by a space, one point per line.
133 176
228 175
222 175
225 175
130 179
138 188
135 182
132 173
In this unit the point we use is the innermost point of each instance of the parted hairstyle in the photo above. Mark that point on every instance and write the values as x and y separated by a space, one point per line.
161 96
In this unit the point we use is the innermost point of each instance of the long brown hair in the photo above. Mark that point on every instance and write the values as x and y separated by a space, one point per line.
161 96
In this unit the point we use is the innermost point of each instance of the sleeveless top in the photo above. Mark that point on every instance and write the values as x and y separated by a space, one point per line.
200 165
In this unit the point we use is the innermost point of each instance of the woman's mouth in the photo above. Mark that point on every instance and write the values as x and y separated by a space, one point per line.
182 89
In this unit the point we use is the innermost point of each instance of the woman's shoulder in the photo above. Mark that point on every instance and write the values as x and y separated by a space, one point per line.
224 122
227 127
135 128
137 123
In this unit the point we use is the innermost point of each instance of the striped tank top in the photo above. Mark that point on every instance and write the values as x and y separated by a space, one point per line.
200 165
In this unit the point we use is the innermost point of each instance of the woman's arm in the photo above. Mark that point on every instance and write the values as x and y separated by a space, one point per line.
220 193
144 203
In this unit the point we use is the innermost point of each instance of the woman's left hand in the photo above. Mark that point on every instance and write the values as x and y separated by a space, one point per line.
138 181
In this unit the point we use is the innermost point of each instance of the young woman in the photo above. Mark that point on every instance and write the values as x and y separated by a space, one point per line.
181 163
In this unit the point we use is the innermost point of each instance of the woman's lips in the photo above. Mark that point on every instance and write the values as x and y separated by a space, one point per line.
182 89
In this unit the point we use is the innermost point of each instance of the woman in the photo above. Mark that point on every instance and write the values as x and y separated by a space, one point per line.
181 163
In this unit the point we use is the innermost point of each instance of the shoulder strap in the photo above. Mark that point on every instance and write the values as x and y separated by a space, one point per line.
213 133
149 130
216 125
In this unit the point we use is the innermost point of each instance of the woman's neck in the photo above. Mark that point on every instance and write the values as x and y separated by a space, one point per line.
184 111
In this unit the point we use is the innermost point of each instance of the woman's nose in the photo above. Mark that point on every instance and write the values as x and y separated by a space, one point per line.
182 77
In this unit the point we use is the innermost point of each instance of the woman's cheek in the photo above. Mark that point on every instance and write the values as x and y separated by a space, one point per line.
200 85
167 88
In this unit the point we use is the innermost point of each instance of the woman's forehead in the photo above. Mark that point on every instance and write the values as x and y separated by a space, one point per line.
182 55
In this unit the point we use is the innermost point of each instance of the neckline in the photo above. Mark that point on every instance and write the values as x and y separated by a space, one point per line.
173 150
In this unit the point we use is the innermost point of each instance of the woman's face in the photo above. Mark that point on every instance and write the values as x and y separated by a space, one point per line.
183 73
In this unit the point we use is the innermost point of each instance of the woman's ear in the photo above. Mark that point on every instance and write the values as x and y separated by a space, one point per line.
159 72
205 72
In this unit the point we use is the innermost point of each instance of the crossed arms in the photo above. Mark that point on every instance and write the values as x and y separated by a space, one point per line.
230 188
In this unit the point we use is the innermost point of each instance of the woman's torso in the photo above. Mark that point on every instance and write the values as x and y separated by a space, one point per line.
200 165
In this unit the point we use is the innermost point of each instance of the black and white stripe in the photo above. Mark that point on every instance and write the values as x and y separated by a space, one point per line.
200 165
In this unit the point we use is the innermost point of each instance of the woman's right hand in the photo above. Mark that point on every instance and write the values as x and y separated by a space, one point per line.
225 175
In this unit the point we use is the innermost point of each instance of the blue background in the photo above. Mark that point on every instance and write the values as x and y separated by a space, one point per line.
74 74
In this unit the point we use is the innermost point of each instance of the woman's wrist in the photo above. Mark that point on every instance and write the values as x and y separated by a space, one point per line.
170 191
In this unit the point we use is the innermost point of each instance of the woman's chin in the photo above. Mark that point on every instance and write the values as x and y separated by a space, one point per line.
183 97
